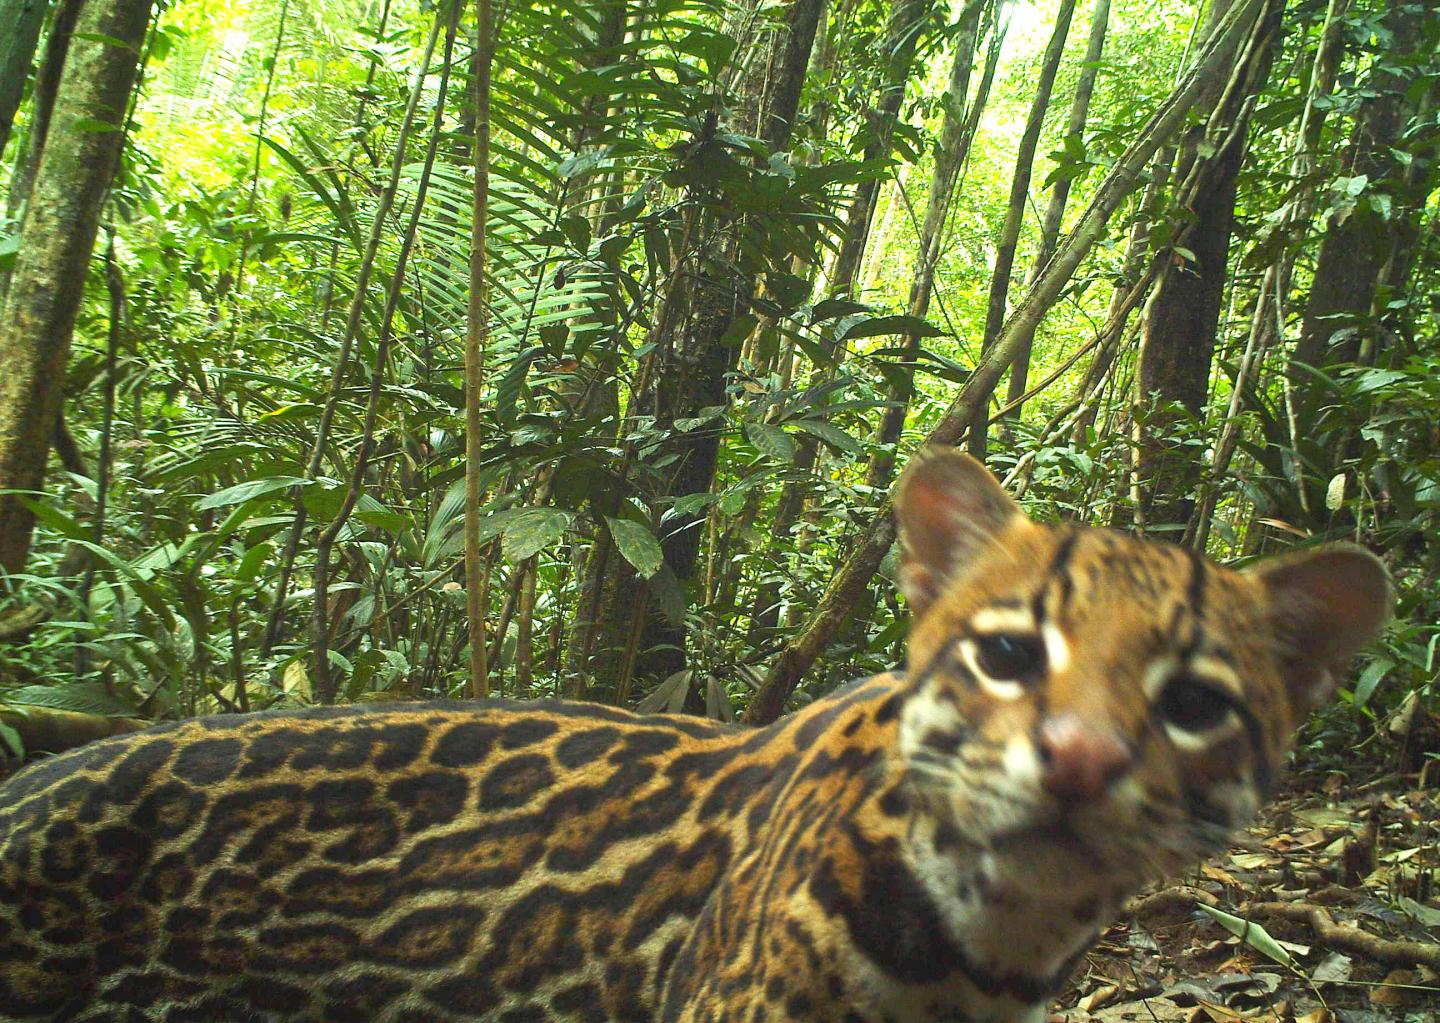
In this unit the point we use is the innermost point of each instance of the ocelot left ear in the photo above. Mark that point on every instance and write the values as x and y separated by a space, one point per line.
1325 605
950 509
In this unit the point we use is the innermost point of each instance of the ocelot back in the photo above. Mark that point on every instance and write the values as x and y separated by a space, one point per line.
1081 712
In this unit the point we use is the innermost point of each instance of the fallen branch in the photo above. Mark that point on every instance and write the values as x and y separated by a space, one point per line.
51 730
1181 898
1348 938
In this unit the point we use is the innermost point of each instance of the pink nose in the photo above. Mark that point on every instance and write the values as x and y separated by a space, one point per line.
1079 761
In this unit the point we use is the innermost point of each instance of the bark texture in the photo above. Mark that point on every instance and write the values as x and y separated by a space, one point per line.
20 24
57 238
1183 317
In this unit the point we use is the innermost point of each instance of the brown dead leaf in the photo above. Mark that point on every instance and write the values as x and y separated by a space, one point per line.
1254 861
1397 990
1333 969
1320 1015
1101 996
1209 1012
1327 816
1214 873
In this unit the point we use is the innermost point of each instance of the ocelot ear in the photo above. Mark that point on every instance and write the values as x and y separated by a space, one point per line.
1324 605
949 509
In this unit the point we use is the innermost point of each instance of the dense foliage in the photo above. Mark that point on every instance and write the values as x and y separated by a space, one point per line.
694 336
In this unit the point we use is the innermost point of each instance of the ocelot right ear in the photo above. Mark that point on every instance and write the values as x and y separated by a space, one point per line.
949 509
1325 604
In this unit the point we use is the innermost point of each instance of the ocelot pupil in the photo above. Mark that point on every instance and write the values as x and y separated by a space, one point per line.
1193 705
1007 657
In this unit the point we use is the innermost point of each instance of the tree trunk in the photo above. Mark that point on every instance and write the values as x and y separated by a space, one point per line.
477 336
1268 313
1124 176
691 376
957 132
1183 316
1358 242
902 34
1060 194
57 238
20 25
1015 210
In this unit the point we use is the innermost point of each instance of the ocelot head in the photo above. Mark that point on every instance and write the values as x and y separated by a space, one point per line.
1089 702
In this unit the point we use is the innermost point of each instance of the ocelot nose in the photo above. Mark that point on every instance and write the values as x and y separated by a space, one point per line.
1080 760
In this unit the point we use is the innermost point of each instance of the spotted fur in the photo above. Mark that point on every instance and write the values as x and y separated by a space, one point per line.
940 845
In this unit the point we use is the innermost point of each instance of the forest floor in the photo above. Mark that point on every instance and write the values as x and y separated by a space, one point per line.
1339 881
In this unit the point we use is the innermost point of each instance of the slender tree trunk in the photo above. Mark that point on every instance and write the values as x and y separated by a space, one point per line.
692 377
1060 194
902 35
57 239
42 107
957 132
1183 316
871 546
340 371
1268 317
325 689
20 25
1340 317
477 336
1015 209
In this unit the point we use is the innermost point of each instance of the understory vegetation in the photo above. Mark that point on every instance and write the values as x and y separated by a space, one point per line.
1168 267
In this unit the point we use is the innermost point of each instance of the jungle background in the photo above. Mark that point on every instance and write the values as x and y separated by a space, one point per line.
386 349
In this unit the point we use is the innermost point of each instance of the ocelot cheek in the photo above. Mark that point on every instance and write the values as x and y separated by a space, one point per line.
1221 788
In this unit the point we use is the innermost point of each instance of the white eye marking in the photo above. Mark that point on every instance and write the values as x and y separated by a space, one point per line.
1057 650
998 688
1021 762
1003 619
1212 669
1191 742
1159 672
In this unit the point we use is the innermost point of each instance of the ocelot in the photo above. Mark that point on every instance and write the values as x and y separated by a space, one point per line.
1081 711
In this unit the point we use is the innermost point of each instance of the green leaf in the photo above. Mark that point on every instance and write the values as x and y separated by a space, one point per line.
242 492
876 326
56 519
13 743
637 545
834 437
771 441
1370 678
252 562
77 697
669 595
1252 934
531 530
142 587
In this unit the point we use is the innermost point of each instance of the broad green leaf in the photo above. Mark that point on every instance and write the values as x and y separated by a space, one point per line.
877 326
531 530
771 441
1252 934
14 745
833 436
637 545
1370 678
242 492
78 697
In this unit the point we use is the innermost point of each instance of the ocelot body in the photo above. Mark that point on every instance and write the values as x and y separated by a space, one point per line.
1081 712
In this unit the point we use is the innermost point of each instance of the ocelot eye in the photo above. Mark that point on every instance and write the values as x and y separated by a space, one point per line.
1194 706
1009 656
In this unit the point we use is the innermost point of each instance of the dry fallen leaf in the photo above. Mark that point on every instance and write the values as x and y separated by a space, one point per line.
1333 969
1102 995
1397 990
